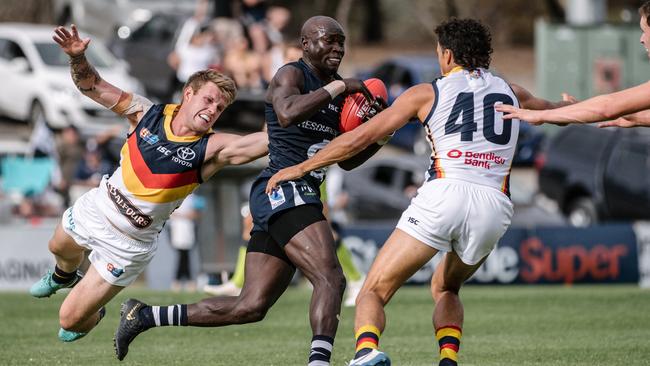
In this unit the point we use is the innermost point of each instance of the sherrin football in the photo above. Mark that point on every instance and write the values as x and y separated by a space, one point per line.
356 106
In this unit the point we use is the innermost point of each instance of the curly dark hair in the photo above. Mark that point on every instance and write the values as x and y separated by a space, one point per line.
644 10
469 41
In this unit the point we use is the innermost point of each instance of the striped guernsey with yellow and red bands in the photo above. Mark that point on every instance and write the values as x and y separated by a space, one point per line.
157 171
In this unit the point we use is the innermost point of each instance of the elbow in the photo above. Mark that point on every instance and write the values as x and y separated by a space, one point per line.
286 119
240 160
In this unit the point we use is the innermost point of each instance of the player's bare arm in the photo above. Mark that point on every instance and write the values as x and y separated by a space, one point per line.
229 149
596 109
293 107
529 101
414 102
638 119
371 150
89 82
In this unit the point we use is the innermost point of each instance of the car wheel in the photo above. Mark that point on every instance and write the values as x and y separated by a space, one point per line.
36 115
582 212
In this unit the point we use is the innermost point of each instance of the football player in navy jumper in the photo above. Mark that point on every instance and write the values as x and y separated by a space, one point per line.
303 107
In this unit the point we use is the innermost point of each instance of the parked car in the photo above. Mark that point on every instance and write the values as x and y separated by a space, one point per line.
597 174
382 188
401 72
146 50
36 80
105 18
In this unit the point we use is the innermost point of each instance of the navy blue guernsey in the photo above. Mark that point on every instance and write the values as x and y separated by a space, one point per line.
296 143
292 145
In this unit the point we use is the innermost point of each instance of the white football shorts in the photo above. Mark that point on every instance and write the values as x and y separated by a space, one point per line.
118 258
451 214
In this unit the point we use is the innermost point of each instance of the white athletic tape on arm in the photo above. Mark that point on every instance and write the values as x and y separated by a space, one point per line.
335 88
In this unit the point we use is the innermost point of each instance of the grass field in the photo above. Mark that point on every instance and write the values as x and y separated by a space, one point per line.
527 325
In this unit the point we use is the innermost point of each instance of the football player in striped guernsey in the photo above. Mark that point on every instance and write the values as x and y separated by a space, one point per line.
169 151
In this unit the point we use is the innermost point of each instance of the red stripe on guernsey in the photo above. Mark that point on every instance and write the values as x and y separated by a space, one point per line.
451 346
367 339
152 180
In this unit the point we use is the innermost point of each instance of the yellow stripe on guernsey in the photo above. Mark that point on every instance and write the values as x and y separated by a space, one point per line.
170 110
455 69
155 195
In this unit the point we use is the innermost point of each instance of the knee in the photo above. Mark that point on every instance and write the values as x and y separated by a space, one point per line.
69 319
378 288
55 247
332 280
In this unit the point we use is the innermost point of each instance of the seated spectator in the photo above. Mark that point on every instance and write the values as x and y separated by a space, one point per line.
243 65
252 16
70 152
200 53
91 169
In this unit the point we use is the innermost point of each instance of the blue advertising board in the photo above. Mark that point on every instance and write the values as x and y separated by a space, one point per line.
599 254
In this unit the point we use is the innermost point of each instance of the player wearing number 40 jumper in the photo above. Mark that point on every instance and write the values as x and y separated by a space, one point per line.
463 208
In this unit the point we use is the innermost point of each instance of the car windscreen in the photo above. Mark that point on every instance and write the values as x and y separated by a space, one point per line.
52 55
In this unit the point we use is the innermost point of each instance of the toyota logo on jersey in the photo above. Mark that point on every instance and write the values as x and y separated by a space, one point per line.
185 153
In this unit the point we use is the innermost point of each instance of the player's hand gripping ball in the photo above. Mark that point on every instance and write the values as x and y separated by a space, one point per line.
357 109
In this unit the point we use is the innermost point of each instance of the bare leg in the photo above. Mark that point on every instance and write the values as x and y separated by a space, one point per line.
397 261
312 251
448 315
79 311
67 252
445 285
266 278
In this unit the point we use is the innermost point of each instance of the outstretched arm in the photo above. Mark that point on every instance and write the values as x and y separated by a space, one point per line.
638 119
599 108
412 103
88 81
529 101
230 149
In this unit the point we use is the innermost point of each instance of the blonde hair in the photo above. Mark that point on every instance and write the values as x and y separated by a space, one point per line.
644 10
225 84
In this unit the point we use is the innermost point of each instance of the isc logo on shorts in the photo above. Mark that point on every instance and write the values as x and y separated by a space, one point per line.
117 272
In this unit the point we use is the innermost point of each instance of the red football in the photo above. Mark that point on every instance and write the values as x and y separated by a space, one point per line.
356 106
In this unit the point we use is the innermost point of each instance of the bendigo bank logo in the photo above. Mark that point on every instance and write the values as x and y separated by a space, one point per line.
455 154
477 159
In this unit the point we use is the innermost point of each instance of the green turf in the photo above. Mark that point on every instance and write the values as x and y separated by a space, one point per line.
536 325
